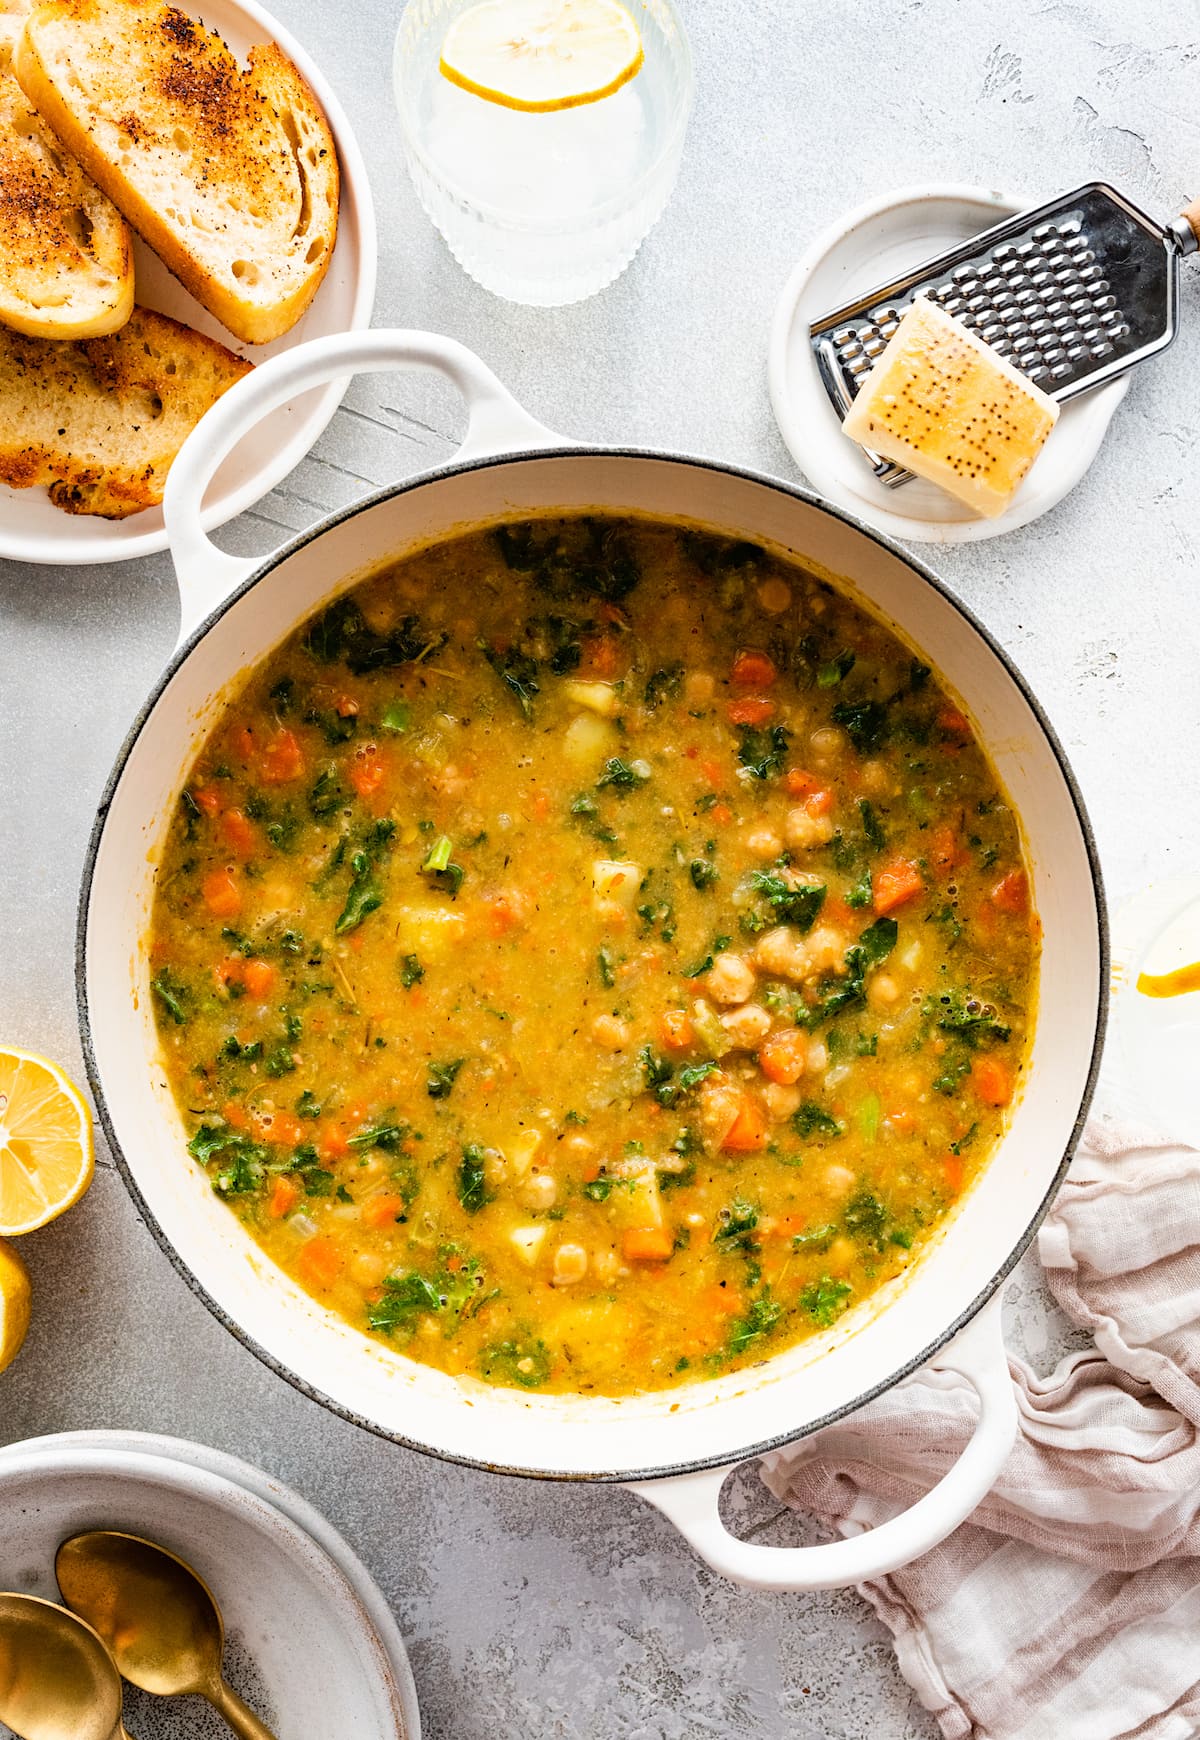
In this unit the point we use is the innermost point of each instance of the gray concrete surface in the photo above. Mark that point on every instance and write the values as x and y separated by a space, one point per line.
544 1611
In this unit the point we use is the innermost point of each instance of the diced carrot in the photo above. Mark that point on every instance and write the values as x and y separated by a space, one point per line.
753 710
207 798
819 802
895 882
333 1141
992 1080
230 971
753 670
748 1132
797 782
285 1194
713 772
675 1029
720 1301
952 1171
454 1263
243 742
222 895
1011 893
282 759
900 1120
346 707
503 912
258 977
235 1115
788 1225
945 850
239 832
721 814
284 1128
366 770
601 656
647 1244
954 725
381 1210
783 1056
837 912
320 1263
539 806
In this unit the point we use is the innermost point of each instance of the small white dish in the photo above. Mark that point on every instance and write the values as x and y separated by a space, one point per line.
1158 931
872 245
311 1644
32 529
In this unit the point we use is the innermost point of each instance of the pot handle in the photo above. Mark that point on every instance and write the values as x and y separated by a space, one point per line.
690 1501
495 424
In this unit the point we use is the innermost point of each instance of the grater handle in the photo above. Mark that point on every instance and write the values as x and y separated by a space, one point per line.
1189 219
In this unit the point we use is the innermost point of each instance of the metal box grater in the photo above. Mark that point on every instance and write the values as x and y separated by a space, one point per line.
1072 293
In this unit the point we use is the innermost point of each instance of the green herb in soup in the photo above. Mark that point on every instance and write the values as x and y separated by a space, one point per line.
593 955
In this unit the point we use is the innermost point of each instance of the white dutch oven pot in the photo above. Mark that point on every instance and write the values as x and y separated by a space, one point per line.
676 1447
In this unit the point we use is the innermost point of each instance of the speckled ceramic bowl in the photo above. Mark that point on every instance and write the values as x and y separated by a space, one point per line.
310 1643
676 1443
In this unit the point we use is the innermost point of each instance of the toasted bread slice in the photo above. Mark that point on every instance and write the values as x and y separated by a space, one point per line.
99 420
230 175
66 256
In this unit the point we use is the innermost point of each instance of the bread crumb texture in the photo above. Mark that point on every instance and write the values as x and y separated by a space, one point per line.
99 421
229 173
66 264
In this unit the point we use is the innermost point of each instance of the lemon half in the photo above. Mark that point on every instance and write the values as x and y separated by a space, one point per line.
14 1304
541 55
45 1143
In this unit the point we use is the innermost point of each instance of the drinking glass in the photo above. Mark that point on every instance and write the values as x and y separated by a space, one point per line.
543 208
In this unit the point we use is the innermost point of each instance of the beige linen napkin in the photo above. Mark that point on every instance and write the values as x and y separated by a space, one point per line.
1068 1607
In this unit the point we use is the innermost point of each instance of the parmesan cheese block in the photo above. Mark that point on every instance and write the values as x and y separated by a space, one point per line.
941 402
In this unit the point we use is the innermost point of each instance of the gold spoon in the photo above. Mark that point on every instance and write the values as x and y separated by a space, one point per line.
159 1619
57 1680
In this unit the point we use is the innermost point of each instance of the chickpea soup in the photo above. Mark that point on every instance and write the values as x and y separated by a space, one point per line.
593 955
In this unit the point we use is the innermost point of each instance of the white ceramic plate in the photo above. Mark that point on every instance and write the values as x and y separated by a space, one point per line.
872 245
311 1644
33 530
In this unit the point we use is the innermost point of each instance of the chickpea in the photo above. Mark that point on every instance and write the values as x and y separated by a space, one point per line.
828 745
570 1265
747 1026
699 688
538 1193
838 1179
781 1101
882 990
818 1057
774 595
764 843
605 1266
803 831
495 1168
610 1032
875 779
730 979
782 952
367 1268
827 949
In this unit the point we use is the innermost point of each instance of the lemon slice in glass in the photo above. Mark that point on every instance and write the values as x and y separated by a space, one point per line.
540 55
45 1142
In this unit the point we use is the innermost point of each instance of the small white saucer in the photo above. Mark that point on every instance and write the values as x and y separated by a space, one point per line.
1158 1038
872 245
